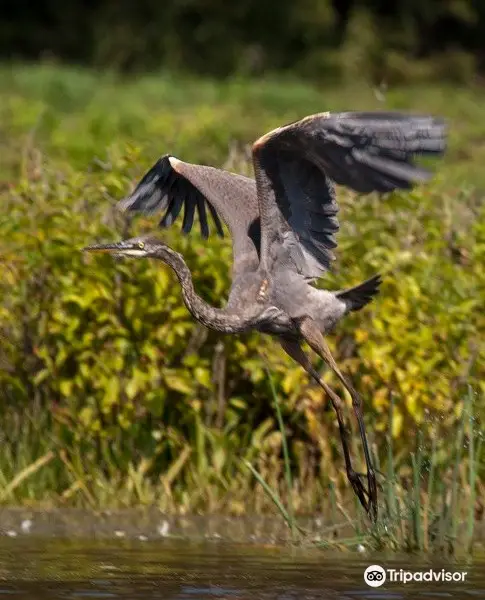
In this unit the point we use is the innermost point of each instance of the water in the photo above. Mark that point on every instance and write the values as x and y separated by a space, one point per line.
39 568
75 554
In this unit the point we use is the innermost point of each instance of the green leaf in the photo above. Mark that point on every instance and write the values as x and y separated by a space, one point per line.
177 383
111 394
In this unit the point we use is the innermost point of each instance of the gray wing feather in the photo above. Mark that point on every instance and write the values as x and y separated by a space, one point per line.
206 190
297 165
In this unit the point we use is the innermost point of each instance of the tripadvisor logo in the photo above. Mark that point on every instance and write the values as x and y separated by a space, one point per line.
375 576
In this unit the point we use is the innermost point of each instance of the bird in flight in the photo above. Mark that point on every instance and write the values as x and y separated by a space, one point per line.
283 225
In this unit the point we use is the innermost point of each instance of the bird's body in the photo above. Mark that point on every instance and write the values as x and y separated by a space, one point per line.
283 227
293 296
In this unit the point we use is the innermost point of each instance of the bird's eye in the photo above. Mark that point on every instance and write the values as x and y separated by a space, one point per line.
141 245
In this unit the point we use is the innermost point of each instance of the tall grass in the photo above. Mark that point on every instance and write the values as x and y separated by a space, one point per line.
289 513
415 515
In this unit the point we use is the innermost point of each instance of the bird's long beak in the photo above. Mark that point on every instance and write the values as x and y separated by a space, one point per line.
111 248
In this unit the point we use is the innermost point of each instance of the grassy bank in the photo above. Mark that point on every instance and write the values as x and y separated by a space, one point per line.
113 396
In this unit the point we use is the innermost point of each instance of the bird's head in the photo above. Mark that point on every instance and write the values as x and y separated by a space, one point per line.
137 247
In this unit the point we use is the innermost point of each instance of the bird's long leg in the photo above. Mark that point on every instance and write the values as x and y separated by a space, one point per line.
314 337
293 349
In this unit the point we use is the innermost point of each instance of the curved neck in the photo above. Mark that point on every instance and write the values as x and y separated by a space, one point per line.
213 318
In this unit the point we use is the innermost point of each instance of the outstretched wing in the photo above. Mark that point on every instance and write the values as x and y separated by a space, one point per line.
171 184
296 167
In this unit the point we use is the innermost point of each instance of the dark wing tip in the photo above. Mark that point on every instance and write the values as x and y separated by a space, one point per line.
382 148
149 195
217 221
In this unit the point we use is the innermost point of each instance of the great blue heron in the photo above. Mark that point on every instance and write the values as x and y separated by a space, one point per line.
283 227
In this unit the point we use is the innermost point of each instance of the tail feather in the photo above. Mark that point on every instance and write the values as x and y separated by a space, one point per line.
357 297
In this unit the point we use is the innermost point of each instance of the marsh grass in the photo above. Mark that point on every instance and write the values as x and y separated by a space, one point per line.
415 516
287 514
434 518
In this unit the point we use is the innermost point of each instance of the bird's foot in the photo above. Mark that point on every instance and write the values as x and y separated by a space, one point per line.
367 497
359 489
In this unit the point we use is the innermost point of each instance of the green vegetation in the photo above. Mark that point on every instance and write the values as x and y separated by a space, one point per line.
113 396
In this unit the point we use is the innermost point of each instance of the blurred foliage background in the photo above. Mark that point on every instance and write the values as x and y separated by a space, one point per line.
110 393
316 38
